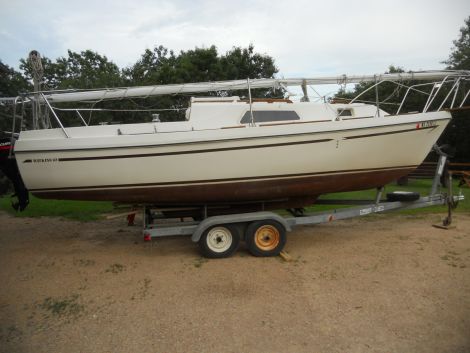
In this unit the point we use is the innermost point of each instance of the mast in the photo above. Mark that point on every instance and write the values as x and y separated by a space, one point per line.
188 88
40 116
34 60
96 95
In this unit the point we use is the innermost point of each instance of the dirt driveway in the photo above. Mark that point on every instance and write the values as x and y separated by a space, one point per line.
382 284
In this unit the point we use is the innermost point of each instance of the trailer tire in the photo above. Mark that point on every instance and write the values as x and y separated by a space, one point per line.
265 238
219 241
402 196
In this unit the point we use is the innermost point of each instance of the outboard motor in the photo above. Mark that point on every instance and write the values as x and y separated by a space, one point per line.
9 167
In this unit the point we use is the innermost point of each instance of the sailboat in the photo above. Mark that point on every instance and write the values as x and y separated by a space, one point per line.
232 150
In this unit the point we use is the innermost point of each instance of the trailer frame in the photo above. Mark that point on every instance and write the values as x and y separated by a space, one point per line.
239 224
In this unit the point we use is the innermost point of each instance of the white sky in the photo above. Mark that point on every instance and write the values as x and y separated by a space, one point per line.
306 38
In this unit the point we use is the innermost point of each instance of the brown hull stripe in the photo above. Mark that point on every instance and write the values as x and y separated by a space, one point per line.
71 159
244 179
234 139
187 152
390 132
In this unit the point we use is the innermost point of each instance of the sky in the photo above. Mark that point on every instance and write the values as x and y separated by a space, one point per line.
306 38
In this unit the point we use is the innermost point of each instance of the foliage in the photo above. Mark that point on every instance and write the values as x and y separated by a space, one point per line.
76 210
390 95
240 64
163 66
89 69
159 66
423 186
12 82
457 133
68 306
459 58
83 70
90 211
86 69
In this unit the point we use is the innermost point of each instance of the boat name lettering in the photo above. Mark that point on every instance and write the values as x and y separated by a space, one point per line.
45 160
425 124
366 211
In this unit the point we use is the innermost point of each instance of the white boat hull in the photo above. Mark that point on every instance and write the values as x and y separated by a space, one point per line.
263 163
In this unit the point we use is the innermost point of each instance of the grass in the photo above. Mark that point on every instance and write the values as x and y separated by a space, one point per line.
76 210
115 268
199 262
62 306
90 211
423 186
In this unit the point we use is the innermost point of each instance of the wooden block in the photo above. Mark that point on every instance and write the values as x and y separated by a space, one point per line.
441 226
285 256
118 215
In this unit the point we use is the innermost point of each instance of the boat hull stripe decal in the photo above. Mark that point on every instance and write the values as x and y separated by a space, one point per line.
224 180
186 152
71 159
390 132
232 139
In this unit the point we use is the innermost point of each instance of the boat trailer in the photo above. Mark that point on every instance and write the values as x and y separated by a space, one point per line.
265 232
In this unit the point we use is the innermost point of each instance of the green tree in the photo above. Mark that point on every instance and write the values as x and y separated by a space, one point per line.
154 67
390 94
459 58
163 66
86 69
160 66
12 83
241 63
83 70
458 132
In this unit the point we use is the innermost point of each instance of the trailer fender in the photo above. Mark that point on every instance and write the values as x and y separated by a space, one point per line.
237 218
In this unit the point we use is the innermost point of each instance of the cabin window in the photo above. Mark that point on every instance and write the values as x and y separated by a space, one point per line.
344 112
265 116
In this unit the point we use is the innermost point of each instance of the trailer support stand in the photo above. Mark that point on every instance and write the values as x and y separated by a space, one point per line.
378 197
451 204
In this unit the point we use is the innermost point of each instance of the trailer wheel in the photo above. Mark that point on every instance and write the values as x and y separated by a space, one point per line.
219 241
265 238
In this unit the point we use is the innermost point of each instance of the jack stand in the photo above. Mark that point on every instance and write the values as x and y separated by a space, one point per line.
147 219
440 169
378 195
446 223
131 218
451 204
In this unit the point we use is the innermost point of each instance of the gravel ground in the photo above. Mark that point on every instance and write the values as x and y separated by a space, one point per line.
384 283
